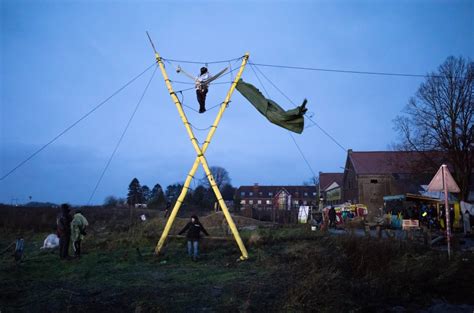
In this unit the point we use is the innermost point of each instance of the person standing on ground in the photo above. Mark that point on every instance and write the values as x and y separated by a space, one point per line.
194 228
451 218
467 222
332 217
79 224
167 209
63 223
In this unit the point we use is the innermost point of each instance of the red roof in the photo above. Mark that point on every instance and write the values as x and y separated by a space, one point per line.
326 179
389 162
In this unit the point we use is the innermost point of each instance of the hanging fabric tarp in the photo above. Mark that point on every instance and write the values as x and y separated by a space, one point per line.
292 119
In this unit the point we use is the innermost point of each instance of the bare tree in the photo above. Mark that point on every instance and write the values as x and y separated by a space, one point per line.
440 117
221 177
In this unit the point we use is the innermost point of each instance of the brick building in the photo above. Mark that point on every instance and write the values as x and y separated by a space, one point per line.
368 176
275 203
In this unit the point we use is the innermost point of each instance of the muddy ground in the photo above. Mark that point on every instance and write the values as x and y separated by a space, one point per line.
291 269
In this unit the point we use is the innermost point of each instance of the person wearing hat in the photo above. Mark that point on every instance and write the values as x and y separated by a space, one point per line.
194 229
63 223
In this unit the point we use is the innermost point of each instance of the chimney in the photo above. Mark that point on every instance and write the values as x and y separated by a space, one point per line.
255 188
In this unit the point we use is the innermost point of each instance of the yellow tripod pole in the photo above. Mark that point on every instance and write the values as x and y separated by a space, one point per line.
201 159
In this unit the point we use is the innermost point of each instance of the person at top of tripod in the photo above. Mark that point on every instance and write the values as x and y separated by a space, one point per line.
202 84
202 88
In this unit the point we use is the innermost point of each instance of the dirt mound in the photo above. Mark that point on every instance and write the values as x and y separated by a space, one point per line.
215 223
215 219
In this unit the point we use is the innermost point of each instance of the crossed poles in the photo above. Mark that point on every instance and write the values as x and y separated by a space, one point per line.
200 158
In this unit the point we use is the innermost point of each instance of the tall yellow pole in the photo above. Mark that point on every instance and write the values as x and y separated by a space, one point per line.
201 159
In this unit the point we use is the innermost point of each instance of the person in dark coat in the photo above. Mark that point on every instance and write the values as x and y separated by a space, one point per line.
451 218
63 223
194 229
332 217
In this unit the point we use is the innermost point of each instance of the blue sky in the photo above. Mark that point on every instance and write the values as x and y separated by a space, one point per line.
61 58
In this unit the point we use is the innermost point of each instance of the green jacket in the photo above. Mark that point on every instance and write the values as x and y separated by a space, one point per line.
292 119
78 227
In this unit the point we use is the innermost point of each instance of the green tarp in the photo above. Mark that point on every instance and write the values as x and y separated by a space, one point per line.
292 119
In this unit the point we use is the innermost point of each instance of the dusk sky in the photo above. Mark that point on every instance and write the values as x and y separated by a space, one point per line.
59 59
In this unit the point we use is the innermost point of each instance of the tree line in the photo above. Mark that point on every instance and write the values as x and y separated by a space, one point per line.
202 196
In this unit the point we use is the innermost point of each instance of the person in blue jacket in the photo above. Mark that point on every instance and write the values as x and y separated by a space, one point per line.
194 229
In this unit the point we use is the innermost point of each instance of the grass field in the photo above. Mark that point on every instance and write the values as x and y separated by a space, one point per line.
290 269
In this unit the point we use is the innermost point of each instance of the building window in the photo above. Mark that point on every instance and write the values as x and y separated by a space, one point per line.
295 202
260 193
270 194
314 194
373 181
242 193
305 194
259 201
305 202
250 201
269 202
250 193
242 201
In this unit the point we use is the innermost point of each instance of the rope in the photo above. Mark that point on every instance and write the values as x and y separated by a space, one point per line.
202 62
75 123
191 108
275 86
122 136
327 134
291 135
309 118
263 86
183 90
199 129
189 83
230 68
344 71
302 154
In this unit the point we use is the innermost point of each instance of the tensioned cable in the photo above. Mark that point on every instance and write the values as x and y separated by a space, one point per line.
183 90
121 137
263 86
75 123
202 62
327 134
275 86
308 68
291 135
302 154
191 83
227 73
343 71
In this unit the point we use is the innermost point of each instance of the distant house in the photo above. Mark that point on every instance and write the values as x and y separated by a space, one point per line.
368 176
275 203
330 185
